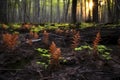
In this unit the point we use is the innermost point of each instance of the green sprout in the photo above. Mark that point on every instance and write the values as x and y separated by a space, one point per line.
45 57
83 47
102 50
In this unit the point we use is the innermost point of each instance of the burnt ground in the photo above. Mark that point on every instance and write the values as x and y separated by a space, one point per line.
20 64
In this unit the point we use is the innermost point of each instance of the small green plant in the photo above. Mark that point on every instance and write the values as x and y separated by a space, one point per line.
102 50
37 29
45 57
83 47
86 25
15 26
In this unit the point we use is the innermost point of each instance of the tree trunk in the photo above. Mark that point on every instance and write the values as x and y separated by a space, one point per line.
66 13
58 11
81 9
109 12
117 11
95 11
74 8
51 12
3 11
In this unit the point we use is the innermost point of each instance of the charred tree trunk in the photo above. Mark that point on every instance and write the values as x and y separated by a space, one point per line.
109 12
51 14
95 11
3 11
117 11
66 14
58 11
74 8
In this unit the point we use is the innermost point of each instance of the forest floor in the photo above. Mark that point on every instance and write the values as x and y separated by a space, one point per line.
21 63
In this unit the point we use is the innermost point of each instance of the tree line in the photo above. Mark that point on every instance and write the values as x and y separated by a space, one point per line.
59 11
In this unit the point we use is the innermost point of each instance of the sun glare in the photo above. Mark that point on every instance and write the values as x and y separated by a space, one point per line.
90 5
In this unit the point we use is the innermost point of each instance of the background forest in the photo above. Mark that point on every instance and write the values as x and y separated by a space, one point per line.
59 39
59 11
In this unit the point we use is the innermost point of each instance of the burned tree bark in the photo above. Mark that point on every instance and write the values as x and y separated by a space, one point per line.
3 11
95 11
74 8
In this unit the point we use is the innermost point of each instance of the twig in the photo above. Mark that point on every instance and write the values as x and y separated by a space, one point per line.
34 40
46 78
115 61
11 69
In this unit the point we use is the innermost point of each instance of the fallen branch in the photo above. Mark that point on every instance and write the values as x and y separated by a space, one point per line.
34 40
11 69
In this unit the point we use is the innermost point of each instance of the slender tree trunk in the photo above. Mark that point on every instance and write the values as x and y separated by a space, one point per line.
58 11
63 15
3 11
109 12
81 9
66 13
85 9
117 11
51 12
45 11
95 11
74 8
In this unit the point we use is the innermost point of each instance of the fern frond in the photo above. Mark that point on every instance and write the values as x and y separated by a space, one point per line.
52 48
35 36
76 40
97 40
10 40
45 37
55 55
95 43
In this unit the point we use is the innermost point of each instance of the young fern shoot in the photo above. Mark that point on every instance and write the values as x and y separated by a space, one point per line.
45 37
95 43
55 55
76 40
10 40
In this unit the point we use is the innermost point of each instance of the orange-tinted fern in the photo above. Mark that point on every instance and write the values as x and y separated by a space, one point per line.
45 37
10 40
4 26
96 42
55 55
34 35
76 40
29 41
